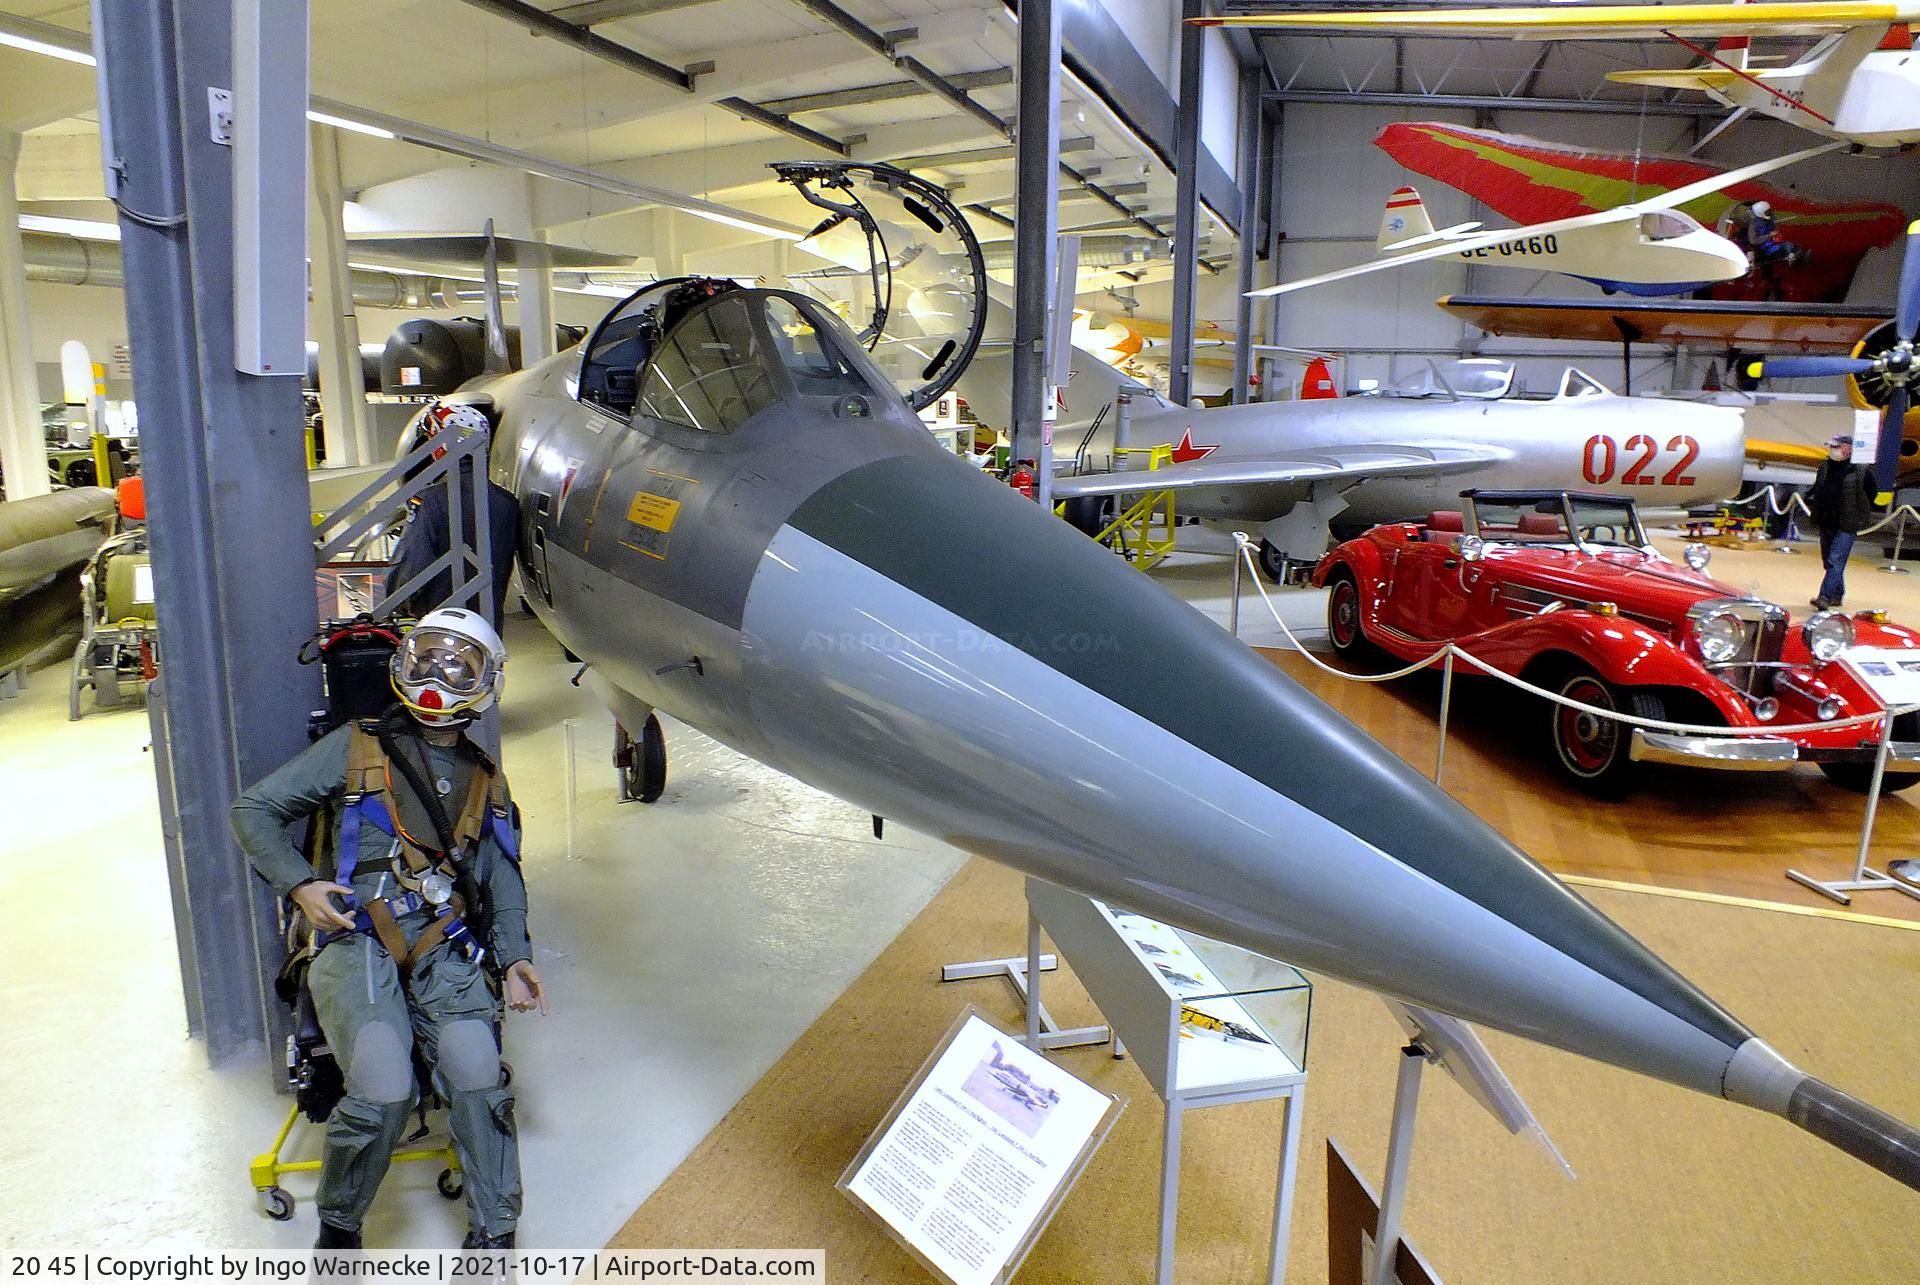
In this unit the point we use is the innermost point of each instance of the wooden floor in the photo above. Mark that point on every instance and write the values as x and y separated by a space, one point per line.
1730 833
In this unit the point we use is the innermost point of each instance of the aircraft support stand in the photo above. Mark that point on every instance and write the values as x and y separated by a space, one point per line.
1393 1188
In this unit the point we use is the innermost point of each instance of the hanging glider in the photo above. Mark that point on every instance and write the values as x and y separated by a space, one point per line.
1532 180
1645 247
1860 84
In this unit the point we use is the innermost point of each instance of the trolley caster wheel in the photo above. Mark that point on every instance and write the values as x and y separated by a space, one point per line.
642 763
276 1204
451 1184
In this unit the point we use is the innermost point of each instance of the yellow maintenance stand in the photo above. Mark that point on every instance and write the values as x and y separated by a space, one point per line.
1143 531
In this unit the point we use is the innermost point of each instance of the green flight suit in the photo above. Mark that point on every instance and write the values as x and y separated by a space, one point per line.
370 1020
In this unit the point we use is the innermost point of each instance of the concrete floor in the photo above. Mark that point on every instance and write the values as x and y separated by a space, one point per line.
685 946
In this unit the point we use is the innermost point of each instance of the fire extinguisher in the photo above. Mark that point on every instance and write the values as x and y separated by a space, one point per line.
1021 478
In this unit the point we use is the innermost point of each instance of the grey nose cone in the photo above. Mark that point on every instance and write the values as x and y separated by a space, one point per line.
923 642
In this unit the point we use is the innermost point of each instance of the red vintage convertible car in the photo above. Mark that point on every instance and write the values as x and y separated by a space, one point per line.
1563 590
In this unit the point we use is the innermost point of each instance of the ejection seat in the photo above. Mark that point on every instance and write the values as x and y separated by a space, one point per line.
353 657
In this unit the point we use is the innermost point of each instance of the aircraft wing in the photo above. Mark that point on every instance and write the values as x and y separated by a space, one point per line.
1591 22
1351 464
1750 327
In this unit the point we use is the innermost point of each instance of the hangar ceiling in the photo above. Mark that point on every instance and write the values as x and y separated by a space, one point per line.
693 97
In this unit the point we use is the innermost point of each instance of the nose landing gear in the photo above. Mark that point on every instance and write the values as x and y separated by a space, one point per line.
642 763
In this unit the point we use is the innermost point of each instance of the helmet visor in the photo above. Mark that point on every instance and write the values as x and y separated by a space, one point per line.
449 661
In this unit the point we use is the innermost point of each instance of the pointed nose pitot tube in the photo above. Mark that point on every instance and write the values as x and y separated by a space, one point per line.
921 641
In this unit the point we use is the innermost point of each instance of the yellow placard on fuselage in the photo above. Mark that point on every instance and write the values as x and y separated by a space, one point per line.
652 512
655 512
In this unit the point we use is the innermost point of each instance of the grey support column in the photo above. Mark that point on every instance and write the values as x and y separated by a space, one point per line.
1186 205
343 395
533 300
23 447
1275 133
1247 221
1035 235
226 491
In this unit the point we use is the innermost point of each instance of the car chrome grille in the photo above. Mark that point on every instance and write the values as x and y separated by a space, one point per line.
1763 634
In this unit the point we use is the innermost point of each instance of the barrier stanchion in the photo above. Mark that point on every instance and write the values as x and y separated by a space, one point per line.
1899 535
1865 877
1233 607
1446 707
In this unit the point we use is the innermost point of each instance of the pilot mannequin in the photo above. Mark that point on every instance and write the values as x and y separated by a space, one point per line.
419 910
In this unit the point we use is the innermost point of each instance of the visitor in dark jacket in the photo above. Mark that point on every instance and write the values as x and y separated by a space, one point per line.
1842 503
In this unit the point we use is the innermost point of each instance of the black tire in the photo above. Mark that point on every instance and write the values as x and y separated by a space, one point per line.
1273 563
653 761
450 1184
1345 632
1087 514
1859 776
641 762
276 1204
1592 752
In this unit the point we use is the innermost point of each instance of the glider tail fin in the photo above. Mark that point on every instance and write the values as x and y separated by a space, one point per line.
1405 219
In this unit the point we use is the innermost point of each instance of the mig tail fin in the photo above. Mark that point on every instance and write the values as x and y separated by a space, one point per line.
1405 219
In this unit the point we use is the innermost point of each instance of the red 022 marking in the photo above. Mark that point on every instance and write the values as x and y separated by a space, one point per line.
1644 457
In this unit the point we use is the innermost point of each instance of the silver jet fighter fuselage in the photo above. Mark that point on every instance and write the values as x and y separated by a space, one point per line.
731 517
1293 468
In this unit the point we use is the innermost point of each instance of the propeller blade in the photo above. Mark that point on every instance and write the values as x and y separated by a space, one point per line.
1886 459
1807 367
1907 317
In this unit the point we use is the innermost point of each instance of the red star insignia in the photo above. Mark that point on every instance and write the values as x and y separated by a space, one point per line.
1185 450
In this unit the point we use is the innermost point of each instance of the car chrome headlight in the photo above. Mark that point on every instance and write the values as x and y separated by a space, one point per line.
1828 709
1698 556
1827 634
1719 637
1472 548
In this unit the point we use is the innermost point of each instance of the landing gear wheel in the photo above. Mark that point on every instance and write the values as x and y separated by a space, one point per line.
1273 563
1595 752
1343 619
1087 514
642 764
450 1184
1859 776
276 1204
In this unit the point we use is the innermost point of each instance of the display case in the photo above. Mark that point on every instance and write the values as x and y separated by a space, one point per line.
1241 1018
1207 1023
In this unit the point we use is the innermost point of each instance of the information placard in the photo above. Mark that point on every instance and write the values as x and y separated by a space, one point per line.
977 1153
1891 673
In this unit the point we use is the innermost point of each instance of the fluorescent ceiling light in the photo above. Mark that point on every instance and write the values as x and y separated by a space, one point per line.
341 122
33 46
85 229
745 225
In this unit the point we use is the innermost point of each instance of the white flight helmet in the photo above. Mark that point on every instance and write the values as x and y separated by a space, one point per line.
450 667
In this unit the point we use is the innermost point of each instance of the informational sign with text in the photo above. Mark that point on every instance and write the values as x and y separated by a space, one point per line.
977 1153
